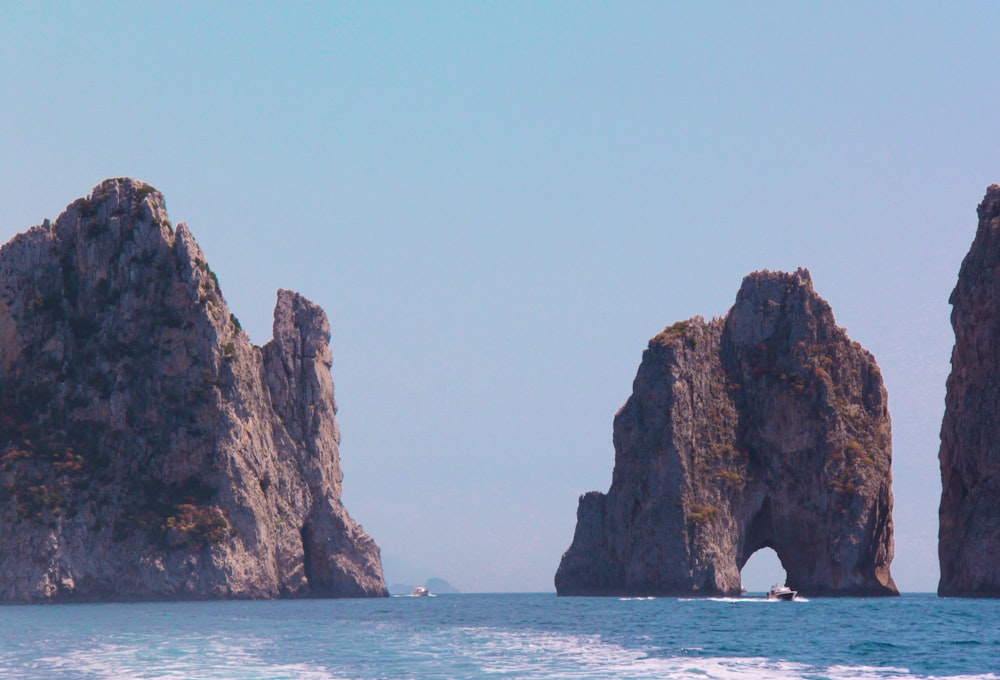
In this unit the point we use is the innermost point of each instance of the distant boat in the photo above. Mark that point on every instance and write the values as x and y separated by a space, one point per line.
421 591
783 593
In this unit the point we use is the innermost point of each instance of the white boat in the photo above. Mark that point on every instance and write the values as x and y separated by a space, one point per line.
421 591
783 593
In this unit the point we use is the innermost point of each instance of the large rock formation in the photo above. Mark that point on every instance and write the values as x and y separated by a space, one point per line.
768 428
969 532
147 449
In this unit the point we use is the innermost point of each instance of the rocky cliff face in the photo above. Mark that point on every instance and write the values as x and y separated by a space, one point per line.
147 449
768 428
969 532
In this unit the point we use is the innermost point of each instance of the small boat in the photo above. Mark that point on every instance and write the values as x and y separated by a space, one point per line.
783 593
421 591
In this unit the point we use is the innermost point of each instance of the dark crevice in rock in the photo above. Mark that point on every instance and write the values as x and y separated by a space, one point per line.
307 553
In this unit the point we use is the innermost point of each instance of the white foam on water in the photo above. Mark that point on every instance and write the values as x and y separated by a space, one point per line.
740 600
548 655
736 600
545 655
180 658
892 673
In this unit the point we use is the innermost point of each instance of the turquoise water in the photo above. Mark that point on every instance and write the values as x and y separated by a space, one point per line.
507 636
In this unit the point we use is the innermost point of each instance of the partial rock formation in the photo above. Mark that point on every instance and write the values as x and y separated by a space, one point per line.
147 449
969 532
768 428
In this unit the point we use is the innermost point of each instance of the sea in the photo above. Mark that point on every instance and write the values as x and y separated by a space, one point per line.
507 636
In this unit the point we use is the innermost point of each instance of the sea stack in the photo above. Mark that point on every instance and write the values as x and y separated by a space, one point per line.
147 449
969 530
767 428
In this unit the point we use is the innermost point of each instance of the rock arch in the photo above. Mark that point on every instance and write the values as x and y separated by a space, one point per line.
768 428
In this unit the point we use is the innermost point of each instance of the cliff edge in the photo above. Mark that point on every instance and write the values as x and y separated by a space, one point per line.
147 449
969 530
768 428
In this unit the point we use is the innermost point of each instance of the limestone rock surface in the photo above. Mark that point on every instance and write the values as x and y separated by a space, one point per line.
768 428
148 450
969 529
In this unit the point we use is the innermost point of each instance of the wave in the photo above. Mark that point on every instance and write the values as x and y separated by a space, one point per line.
741 600
469 638
737 599
194 658
465 652
547 655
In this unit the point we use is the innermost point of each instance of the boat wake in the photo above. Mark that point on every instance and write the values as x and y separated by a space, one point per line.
589 657
740 600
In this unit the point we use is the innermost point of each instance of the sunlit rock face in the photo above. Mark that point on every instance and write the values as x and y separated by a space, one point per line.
768 428
147 449
969 533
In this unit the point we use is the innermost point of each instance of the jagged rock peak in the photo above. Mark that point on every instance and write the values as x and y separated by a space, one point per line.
969 529
147 449
767 428
990 207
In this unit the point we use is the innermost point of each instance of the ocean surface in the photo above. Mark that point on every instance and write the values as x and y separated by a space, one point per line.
507 636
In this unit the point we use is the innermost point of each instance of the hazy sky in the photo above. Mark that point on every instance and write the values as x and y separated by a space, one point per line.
498 204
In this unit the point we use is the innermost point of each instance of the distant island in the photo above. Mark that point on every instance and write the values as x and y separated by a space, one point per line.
148 450
766 428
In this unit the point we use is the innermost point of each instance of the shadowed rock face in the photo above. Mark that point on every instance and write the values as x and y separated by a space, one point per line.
768 428
969 532
147 449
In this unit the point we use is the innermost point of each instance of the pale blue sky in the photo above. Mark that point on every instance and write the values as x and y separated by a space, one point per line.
498 204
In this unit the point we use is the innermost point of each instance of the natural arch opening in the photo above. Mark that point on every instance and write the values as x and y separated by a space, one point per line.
762 571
